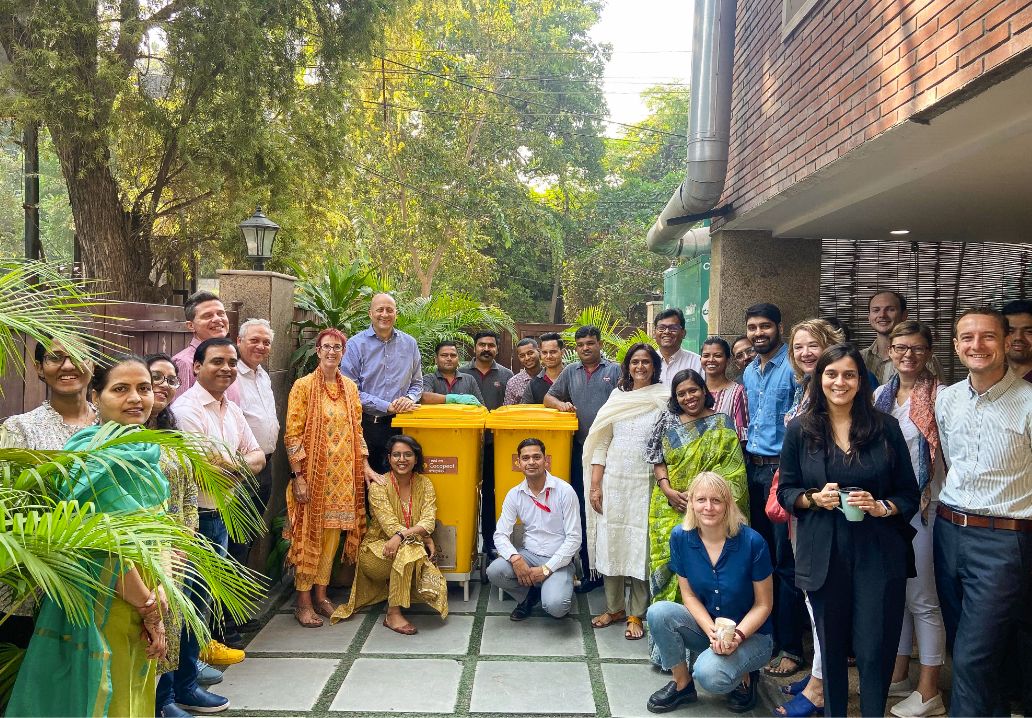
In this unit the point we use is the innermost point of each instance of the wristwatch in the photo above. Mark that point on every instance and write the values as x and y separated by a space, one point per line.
809 498
546 570
888 508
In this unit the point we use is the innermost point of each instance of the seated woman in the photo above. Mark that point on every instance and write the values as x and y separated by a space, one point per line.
723 570
394 560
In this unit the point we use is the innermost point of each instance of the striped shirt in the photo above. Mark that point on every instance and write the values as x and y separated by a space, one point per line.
987 442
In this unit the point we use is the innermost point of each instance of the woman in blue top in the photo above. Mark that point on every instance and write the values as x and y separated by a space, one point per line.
724 571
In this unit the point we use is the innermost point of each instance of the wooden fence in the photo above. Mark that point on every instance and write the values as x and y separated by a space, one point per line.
137 328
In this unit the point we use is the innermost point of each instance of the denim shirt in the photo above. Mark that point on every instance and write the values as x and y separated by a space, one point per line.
770 393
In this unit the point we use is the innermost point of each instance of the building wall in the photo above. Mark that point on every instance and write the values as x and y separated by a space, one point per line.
849 71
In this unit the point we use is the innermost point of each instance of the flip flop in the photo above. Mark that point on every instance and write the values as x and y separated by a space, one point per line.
307 618
608 619
770 670
799 707
406 630
796 687
635 621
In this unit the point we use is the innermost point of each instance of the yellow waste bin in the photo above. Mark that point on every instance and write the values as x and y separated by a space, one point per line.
452 438
511 425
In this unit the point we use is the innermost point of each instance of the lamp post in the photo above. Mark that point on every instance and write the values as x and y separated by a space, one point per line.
259 233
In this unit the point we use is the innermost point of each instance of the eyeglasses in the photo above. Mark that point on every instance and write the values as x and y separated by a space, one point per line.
58 359
902 349
745 353
668 328
406 455
332 348
157 379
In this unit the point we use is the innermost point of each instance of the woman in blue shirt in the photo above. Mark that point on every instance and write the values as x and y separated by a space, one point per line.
723 570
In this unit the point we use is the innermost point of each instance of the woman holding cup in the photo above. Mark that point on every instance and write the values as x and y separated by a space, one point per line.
723 571
846 476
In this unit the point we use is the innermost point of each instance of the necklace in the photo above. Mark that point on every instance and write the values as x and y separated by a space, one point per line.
406 514
336 385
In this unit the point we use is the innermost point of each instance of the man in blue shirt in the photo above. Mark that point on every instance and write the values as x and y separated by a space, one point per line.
384 363
769 387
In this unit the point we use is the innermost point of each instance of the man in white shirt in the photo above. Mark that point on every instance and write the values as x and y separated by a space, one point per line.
669 333
254 342
548 508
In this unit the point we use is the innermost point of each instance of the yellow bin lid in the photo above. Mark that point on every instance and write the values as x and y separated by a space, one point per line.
531 416
443 416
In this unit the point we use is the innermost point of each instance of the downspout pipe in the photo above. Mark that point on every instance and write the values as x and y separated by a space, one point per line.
709 131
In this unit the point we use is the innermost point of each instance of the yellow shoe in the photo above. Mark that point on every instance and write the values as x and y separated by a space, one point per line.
218 654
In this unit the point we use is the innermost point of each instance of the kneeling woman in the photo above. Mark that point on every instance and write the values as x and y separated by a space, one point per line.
394 559
723 571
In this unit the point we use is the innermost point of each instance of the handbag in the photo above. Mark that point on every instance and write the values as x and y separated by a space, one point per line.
775 511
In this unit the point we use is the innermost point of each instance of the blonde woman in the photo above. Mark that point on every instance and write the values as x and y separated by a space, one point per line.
806 341
723 570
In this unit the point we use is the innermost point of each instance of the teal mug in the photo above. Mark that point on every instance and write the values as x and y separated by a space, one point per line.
853 513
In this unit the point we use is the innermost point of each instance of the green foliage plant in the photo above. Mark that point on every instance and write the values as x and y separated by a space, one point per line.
616 337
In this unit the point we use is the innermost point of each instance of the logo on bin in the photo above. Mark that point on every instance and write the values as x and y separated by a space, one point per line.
516 463
442 464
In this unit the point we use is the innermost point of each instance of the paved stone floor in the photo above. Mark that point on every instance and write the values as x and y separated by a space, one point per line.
476 663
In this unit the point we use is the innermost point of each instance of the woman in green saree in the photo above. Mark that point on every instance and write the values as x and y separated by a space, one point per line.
688 438
105 667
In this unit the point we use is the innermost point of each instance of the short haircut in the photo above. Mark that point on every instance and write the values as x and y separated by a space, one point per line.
551 337
899 298
720 342
588 330
531 441
672 312
626 382
695 378
418 465
102 371
741 338
445 343
909 327
331 332
822 331
203 347
987 312
42 348
242 331
765 310
1018 306
484 333
527 341
190 308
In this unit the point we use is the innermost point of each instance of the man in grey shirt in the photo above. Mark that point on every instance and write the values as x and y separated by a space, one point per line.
448 385
584 387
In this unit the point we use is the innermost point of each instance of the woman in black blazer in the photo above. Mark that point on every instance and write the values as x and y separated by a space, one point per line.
854 571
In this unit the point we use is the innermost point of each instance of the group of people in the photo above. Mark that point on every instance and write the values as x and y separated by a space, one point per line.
848 485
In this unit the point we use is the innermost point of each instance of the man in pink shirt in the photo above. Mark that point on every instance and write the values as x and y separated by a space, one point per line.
206 317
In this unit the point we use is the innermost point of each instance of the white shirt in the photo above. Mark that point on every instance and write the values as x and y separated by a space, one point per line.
258 405
555 533
198 412
987 442
681 359
912 435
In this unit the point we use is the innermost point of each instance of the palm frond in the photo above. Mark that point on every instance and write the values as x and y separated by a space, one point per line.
448 316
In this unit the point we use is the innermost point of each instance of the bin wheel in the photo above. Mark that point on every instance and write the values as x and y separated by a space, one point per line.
483 569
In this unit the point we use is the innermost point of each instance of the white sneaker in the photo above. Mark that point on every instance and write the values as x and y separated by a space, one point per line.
913 707
900 689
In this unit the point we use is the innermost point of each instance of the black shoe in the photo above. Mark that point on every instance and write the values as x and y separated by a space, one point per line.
668 698
587 585
231 637
524 607
251 626
743 698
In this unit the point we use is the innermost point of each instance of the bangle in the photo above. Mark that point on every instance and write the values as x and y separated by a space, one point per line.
400 535
663 478
741 636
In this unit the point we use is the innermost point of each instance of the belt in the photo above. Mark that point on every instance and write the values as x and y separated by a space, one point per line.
764 460
984 522
377 418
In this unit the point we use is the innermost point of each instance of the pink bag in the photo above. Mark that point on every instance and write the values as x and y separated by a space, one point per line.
775 511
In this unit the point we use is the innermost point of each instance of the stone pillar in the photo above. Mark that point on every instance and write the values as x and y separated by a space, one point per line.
268 295
750 267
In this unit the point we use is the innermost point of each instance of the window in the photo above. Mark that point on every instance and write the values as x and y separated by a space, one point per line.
793 12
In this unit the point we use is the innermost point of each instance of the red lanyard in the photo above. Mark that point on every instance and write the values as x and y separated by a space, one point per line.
541 505
407 515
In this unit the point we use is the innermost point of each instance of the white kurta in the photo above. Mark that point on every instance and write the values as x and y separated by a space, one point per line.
618 539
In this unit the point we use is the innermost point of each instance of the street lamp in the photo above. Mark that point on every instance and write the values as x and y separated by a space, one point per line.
259 233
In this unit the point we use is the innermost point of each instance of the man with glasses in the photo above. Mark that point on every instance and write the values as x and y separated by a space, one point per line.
742 351
669 333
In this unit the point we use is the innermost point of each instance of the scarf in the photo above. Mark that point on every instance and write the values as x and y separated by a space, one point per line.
922 413
623 405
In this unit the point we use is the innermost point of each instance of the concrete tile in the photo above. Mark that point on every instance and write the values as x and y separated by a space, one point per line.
532 637
276 684
447 637
531 687
430 686
628 687
612 644
283 634
506 604
455 602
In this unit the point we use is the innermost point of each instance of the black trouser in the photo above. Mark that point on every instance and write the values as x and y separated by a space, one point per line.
861 605
488 517
577 482
377 431
258 494
789 614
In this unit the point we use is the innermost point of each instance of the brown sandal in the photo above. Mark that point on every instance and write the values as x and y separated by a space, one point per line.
324 608
406 629
608 619
634 621
307 618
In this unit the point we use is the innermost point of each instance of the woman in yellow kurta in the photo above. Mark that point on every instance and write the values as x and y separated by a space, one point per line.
327 454
394 562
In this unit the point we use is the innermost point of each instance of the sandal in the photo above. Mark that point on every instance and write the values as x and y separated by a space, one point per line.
796 687
406 630
608 619
799 707
324 608
307 618
775 669
633 621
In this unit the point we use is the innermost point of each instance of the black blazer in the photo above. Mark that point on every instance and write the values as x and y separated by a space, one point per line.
890 540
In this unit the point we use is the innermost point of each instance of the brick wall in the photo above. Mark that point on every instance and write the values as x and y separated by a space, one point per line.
849 71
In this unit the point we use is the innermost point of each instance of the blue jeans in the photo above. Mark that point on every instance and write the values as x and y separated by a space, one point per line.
675 631
213 528
984 579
